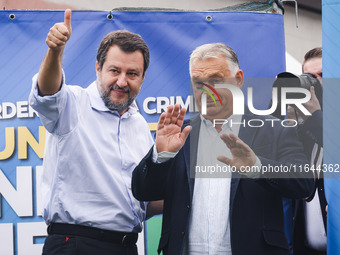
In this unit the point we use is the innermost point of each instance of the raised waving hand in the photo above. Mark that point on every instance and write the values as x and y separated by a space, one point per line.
242 154
169 136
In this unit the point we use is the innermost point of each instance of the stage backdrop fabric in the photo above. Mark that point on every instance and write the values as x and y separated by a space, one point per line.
257 38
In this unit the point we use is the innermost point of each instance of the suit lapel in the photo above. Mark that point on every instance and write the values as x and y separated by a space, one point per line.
190 155
247 135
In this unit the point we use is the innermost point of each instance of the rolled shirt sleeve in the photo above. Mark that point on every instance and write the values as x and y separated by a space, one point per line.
52 109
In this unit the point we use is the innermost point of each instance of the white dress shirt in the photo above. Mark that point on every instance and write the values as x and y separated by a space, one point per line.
209 224
90 154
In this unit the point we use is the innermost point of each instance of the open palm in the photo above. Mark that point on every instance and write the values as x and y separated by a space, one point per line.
169 136
242 154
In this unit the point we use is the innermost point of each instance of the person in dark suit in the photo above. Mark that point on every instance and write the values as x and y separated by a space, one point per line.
241 213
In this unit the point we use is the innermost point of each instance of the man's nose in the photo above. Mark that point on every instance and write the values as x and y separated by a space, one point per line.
122 81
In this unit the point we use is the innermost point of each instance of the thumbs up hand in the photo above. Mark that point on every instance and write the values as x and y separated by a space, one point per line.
60 33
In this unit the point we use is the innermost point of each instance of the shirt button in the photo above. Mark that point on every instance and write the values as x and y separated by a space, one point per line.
183 232
188 206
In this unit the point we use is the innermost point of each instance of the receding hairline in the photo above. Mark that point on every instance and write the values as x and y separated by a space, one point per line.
215 50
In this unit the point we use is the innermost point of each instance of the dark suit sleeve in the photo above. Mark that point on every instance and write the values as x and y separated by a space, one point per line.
312 128
149 179
291 180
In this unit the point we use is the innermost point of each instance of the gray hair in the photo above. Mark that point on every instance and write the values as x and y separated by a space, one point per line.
213 50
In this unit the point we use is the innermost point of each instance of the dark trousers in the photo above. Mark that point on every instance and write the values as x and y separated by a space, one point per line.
77 245
309 251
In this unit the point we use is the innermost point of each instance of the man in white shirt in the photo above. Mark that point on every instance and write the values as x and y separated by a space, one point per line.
240 213
95 139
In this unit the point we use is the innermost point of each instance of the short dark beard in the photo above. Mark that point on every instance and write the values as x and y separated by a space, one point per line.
108 101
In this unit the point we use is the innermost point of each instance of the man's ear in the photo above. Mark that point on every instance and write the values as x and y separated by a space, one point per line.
239 78
97 68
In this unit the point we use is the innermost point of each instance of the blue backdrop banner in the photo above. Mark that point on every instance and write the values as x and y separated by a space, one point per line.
257 38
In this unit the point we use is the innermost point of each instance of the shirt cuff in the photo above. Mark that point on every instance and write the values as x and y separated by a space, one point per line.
162 156
254 171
